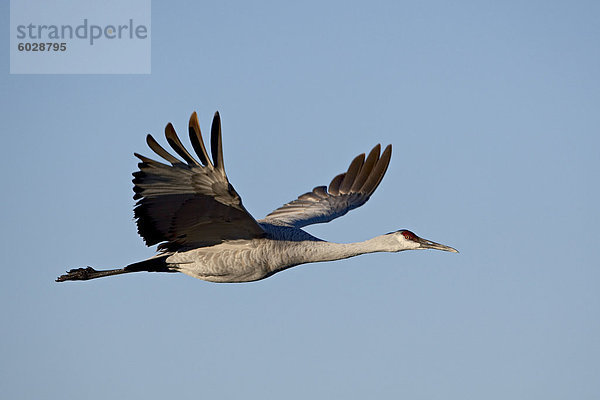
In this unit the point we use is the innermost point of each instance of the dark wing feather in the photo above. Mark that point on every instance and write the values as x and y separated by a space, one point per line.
196 139
216 146
189 204
347 191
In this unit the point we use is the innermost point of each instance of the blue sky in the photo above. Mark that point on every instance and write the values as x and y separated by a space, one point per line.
492 109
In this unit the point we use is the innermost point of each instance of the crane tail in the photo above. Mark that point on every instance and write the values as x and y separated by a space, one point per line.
155 264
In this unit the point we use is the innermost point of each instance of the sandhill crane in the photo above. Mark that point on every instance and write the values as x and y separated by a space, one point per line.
196 217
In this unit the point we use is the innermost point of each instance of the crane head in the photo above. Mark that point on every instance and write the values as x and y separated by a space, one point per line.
410 241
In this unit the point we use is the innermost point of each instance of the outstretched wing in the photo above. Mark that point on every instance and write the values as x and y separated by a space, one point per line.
189 204
346 191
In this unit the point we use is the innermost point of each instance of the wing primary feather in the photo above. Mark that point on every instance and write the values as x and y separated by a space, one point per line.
176 144
334 186
196 139
149 161
321 191
353 171
157 148
378 171
216 145
366 169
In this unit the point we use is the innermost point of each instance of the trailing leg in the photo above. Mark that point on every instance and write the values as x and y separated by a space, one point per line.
154 264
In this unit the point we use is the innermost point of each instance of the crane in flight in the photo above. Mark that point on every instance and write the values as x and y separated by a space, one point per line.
189 208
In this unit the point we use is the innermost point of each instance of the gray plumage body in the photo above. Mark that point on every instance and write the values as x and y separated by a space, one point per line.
246 260
194 214
255 259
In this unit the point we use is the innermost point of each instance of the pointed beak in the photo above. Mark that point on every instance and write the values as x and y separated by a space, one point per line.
428 244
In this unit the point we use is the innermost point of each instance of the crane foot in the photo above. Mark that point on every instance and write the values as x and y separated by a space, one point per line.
77 274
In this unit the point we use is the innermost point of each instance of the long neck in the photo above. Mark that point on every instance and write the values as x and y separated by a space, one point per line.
328 251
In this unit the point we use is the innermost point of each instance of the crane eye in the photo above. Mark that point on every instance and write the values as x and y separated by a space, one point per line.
408 235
